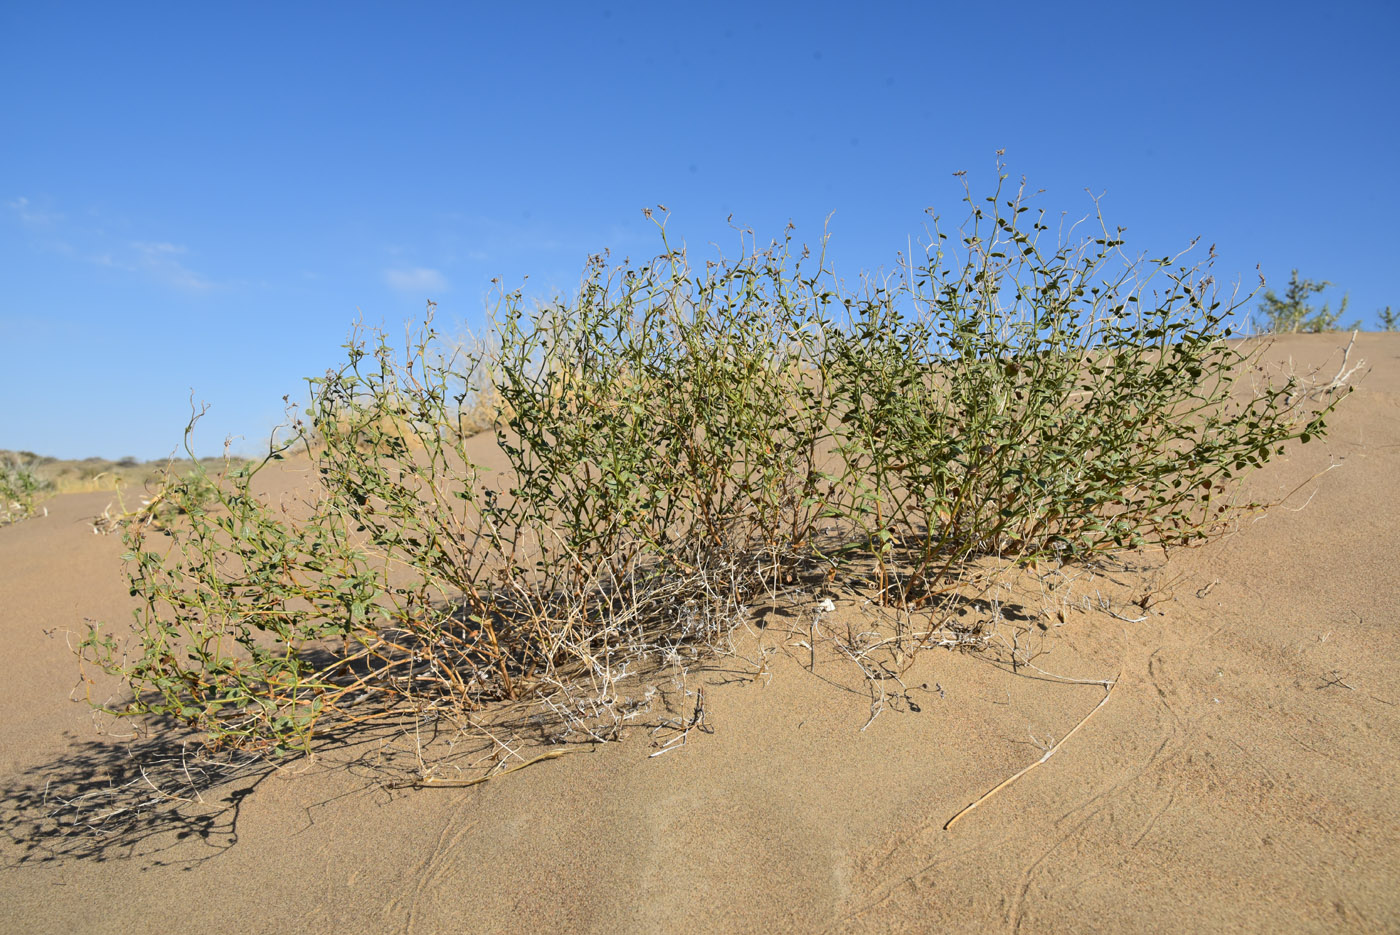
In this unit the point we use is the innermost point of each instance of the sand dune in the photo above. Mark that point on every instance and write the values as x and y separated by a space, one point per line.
1241 777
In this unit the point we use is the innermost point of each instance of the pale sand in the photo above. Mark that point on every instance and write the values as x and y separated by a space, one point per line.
1240 778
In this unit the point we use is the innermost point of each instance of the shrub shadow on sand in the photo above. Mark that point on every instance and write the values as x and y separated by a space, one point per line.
157 799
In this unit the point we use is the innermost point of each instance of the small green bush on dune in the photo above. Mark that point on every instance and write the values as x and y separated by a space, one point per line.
1293 313
683 441
21 489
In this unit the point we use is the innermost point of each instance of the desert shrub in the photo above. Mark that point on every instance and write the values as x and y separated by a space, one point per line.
21 488
170 496
682 442
1292 312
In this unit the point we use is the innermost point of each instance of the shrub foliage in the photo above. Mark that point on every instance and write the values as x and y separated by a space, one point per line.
678 442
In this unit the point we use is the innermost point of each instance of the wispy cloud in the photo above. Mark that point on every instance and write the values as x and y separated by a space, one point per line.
418 279
159 260
155 259
106 259
158 249
32 214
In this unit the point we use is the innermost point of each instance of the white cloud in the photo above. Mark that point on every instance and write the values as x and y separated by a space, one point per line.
419 279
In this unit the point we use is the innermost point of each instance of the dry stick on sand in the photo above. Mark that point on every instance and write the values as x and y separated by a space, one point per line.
1048 754
1343 374
461 783
697 720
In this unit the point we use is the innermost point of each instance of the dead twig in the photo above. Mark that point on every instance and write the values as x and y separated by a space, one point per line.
1048 754
697 721
1343 374
1335 678
430 782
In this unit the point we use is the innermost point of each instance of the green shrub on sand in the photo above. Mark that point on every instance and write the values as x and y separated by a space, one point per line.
685 440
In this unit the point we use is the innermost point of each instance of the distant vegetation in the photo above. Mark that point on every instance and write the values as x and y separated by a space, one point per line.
1294 313
688 441
27 478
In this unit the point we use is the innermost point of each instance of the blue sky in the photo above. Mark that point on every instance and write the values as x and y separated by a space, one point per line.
202 198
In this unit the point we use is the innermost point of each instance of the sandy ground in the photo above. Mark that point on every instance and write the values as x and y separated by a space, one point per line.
1241 776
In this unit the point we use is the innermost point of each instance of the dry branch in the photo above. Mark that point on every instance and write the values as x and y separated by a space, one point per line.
1048 754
